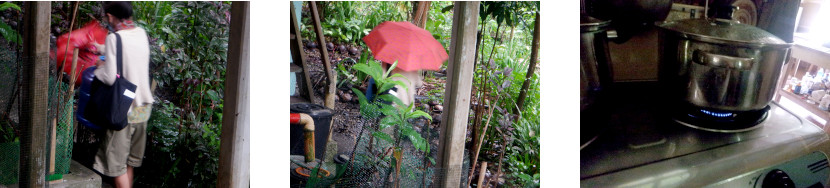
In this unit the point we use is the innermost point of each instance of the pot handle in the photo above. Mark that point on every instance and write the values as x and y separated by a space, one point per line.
723 61
612 34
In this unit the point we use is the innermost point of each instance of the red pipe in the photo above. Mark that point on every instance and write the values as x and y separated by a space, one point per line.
308 129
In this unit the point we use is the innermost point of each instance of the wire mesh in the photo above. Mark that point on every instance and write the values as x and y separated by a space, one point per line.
60 114
373 165
13 110
9 118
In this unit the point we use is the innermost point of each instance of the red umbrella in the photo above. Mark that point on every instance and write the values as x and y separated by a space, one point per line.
413 47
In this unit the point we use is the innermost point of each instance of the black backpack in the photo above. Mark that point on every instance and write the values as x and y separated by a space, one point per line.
108 106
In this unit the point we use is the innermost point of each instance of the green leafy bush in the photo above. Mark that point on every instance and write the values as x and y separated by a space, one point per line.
9 33
188 60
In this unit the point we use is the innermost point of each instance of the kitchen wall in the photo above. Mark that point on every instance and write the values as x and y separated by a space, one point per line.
636 59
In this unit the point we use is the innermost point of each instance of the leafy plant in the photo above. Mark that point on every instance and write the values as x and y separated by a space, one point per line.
188 60
6 30
7 133
372 109
396 117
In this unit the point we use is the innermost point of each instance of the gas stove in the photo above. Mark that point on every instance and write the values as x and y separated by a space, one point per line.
641 145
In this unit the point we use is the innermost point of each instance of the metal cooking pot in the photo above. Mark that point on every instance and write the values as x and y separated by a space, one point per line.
595 69
720 64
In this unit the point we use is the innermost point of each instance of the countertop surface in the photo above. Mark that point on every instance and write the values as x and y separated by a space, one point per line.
640 132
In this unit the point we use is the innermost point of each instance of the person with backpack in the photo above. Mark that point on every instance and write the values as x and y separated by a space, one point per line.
122 150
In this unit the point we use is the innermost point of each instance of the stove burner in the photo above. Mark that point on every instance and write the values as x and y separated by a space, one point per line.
720 121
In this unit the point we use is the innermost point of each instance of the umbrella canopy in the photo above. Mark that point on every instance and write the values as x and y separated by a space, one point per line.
413 47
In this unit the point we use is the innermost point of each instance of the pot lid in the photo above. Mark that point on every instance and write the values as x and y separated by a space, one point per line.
723 31
588 24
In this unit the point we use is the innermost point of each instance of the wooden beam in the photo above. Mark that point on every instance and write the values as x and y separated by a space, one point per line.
321 43
457 94
234 151
299 57
33 120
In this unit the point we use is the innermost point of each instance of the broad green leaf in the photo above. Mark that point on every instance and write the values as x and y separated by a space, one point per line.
369 69
388 110
418 142
385 86
399 83
445 10
390 97
8 5
387 122
213 96
9 33
383 136
418 113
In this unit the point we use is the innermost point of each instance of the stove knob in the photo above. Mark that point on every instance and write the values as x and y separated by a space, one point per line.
777 178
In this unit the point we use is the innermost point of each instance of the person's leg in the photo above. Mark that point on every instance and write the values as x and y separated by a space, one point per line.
130 175
111 158
123 180
138 144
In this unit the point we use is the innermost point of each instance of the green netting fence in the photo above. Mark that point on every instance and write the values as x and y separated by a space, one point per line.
60 114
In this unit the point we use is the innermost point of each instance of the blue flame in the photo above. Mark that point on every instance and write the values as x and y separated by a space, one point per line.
716 114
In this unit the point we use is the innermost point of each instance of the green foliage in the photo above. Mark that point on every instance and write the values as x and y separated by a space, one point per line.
440 22
7 133
9 33
397 117
517 134
8 5
188 60
349 21
529 181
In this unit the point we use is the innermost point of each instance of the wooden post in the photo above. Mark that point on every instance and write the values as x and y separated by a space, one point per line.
457 93
234 151
531 69
321 41
297 53
34 98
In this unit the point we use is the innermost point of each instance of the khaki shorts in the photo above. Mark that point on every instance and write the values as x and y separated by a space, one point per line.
121 148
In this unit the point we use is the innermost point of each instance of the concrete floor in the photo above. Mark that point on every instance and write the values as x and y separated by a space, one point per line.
78 177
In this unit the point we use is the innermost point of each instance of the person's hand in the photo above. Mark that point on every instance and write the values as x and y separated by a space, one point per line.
99 63
98 48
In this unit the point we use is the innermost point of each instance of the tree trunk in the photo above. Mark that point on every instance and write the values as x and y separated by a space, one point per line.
531 68
420 11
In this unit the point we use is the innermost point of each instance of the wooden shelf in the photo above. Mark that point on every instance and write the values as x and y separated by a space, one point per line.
813 108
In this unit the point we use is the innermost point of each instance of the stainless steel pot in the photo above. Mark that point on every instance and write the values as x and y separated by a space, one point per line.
720 64
595 68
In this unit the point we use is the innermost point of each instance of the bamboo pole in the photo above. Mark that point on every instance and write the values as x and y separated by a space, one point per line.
481 174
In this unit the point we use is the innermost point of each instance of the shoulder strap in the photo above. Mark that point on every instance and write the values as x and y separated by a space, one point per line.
118 53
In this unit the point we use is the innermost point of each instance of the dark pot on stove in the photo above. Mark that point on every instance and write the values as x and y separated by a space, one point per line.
720 65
